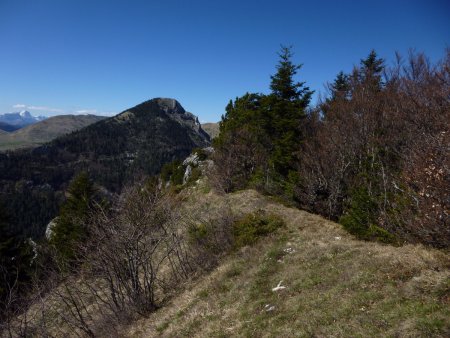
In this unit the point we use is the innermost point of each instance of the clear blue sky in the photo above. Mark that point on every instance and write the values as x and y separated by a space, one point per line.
67 56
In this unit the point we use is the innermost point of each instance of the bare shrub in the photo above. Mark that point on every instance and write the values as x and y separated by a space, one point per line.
135 254
236 160
425 106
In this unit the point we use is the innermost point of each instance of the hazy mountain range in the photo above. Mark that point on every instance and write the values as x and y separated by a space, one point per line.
17 120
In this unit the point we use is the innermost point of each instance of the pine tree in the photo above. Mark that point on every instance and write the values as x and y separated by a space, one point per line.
340 87
287 104
265 131
71 225
283 85
371 70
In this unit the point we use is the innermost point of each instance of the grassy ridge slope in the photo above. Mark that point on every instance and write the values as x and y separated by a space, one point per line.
211 128
335 285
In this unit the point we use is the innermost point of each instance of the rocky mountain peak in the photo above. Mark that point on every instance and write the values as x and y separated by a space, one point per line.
175 111
170 106
25 113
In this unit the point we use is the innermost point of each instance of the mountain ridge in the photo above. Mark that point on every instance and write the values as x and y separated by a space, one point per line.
113 151
212 128
5 127
44 131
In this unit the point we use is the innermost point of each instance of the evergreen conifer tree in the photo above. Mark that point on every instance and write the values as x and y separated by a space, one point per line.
286 107
271 125
371 70
340 87
71 225
283 85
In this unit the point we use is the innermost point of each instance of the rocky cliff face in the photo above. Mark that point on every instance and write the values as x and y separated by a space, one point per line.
176 112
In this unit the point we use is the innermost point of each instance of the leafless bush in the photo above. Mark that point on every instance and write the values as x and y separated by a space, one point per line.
136 249
10 304
17 319
138 253
425 103
236 161
135 253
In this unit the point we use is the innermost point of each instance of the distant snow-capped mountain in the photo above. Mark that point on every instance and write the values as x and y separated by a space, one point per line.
20 119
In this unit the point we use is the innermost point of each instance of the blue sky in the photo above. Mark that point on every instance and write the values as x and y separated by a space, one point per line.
77 56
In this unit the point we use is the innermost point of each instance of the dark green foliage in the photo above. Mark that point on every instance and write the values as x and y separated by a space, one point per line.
361 217
244 111
371 70
196 173
30 206
340 87
283 85
367 201
16 257
264 132
211 239
372 65
250 228
201 153
173 172
71 227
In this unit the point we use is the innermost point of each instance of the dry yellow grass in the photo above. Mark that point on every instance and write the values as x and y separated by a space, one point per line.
336 285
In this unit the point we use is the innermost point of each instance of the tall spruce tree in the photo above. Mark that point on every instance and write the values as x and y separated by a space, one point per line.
287 104
283 85
71 225
340 86
271 125
371 70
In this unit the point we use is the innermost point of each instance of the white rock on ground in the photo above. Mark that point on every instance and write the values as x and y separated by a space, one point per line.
187 174
279 287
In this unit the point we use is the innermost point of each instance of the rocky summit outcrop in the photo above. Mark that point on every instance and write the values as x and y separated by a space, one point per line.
177 113
114 151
